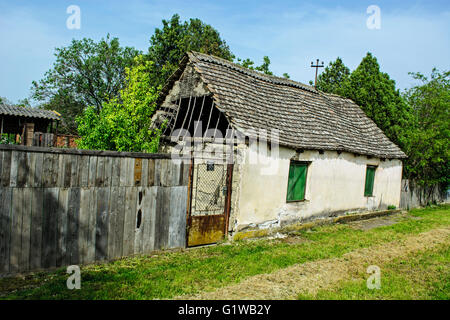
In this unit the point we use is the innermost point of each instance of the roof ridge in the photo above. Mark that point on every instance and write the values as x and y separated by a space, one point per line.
254 73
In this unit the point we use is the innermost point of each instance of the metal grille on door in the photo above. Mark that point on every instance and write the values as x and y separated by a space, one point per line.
209 210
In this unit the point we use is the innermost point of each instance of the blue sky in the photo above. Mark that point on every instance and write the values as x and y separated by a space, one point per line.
414 35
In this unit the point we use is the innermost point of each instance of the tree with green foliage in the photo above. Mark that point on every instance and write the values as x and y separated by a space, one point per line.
429 146
264 67
23 103
333 79
169 44
373 91
377 95
124 122
4 100
85 73
416 121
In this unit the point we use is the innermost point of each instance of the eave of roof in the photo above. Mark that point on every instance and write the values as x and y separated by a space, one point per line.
35 113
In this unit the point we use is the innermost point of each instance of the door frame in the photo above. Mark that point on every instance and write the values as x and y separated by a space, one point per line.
227 204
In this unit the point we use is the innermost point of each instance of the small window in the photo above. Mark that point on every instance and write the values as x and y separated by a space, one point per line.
297 181
370 177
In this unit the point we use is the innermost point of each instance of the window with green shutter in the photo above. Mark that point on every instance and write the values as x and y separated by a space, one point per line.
370 177
297 181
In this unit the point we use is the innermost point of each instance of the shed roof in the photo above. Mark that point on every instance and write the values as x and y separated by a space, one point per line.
28 112
305 117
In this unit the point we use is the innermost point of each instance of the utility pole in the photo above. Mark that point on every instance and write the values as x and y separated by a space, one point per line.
317 66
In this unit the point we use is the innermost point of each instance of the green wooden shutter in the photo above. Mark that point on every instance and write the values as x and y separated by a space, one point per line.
296 181
370 176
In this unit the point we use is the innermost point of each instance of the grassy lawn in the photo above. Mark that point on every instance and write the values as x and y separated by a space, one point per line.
419 277
170 274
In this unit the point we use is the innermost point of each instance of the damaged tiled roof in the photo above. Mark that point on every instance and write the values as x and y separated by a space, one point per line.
27 112
306 118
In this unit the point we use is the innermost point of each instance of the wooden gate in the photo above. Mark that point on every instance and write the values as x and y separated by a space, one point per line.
210 198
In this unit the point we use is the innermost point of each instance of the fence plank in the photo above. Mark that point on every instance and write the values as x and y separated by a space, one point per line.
177 217
61 256
14 168
56 169
61 172
83 227
6 169
67 170
139 232
5 227
182 172
162 218
129 222
149 216
115 174
24 263
123 171
49 227
92 170
36 228
144 178
73 225
1 165
176 172
130 172
31 164
38 171
108 172
83 171
119 223
165 173
22 169
113 213
47 170
151 172
100 172
16 229
157 177
101 235
92 225
74 180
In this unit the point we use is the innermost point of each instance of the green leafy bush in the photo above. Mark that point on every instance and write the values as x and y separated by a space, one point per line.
124 122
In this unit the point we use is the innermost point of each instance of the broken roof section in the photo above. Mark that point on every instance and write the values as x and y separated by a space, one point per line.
16 111
306 118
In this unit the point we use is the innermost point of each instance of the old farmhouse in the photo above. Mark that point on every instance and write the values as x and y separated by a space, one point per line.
257 152
328 159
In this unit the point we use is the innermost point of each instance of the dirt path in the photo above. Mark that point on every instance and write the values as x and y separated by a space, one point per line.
309 277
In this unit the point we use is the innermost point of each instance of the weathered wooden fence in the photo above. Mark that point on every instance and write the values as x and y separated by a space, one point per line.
413 196
66 206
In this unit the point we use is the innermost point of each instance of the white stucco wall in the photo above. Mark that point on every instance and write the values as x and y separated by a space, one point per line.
335 185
